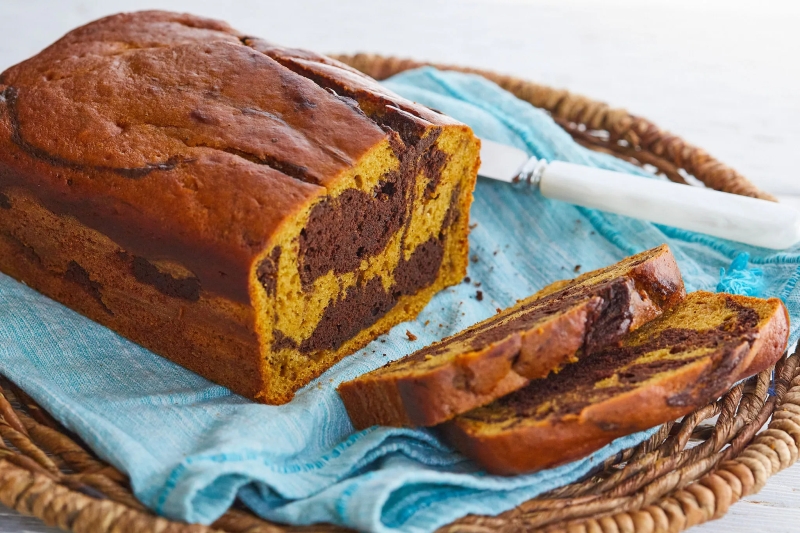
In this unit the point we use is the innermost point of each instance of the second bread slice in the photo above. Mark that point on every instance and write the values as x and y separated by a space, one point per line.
682 360
537 336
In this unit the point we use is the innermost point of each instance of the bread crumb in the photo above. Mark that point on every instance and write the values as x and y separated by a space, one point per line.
498 310
479 296
426 323
411 336
477 283
441 326
467 280
577 268
474 258
473 226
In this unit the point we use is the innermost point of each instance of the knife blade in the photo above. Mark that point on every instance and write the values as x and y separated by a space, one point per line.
729 216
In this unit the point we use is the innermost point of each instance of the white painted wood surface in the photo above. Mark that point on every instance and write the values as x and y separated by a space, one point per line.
724 74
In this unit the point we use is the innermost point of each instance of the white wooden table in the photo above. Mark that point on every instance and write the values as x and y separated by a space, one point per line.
723 74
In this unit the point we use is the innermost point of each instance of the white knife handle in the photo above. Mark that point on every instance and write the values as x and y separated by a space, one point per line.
740 218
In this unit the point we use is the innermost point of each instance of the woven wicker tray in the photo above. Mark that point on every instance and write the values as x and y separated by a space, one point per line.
687 473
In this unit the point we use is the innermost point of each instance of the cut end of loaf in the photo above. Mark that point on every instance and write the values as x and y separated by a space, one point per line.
364 257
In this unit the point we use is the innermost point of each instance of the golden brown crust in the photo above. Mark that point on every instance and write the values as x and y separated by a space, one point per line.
376 100
647 284
75 128
547 347
770 344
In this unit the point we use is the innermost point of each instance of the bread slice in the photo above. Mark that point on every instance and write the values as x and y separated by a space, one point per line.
680 361
536 336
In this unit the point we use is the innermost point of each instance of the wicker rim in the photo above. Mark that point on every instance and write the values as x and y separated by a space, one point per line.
687 473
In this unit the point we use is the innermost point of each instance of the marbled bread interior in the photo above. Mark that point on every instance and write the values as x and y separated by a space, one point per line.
680 361
560 324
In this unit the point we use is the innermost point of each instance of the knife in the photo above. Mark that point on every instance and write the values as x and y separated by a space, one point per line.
730 216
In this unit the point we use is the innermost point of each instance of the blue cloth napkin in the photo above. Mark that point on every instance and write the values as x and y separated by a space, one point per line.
191 447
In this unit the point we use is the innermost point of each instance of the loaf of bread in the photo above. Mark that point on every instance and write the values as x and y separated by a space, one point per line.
682 360
252 213
561 323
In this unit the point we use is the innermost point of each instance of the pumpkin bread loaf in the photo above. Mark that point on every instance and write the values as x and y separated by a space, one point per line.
252 213
682 360
563 322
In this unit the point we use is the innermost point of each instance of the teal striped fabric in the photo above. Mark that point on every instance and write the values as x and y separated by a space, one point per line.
192 447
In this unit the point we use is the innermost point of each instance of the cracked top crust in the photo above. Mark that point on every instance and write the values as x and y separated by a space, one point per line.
170 135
